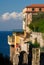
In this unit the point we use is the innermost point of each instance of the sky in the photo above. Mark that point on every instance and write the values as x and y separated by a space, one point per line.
11 13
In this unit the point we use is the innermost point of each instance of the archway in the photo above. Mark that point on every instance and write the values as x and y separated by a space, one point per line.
23 58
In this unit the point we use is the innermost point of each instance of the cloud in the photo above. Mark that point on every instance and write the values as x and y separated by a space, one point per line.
13 15
5 16
11 21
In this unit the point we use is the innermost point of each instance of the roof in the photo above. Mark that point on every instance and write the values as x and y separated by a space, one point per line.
36 6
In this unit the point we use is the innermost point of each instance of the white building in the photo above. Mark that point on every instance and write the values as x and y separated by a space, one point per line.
39 37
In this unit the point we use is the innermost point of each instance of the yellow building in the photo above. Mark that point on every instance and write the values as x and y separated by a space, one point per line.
17 44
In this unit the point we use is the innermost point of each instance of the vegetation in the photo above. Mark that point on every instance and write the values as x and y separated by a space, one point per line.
36 44
42 49
37 24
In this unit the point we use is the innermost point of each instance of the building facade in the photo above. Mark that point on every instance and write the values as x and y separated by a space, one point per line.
28 12
18 41
34 8
39 37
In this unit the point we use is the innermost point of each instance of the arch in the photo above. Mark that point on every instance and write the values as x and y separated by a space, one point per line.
23 58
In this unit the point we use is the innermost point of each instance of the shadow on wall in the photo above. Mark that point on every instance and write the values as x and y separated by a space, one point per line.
42 59
29 57
21 58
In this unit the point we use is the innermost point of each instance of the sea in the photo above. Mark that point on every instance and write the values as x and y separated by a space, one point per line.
4 47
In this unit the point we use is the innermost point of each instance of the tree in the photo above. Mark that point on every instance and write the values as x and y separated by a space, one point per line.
37 24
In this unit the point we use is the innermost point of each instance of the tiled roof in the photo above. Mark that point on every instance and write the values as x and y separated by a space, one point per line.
36 6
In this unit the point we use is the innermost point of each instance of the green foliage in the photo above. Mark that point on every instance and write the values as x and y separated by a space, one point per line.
37 24
42 49
36 44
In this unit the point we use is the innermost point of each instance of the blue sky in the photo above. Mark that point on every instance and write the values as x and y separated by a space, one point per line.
16 5
13 5
11 10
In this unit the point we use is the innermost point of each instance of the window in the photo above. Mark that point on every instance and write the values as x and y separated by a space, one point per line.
32 9
39 9
12 45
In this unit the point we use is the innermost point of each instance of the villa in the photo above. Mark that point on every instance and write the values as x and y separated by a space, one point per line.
18 40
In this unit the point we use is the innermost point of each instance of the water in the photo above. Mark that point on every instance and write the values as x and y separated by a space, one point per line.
4 47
